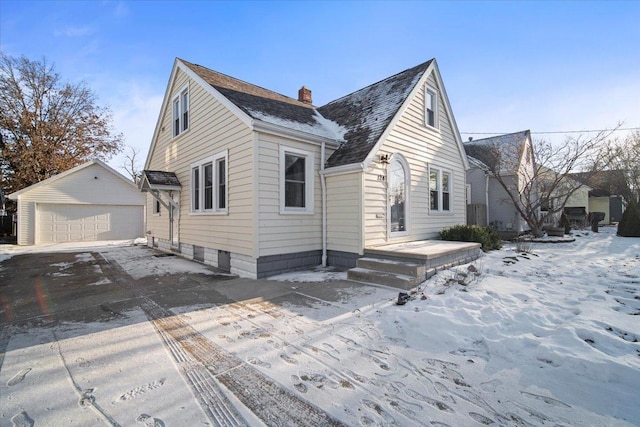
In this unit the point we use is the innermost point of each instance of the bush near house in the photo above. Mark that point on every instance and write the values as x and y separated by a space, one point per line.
486 236
629 226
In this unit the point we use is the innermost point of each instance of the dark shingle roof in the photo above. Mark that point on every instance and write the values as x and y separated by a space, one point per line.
263 104
366 113
356 120
502 152
603 183
161 178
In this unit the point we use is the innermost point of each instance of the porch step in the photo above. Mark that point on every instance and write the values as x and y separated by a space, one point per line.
391 266
378 277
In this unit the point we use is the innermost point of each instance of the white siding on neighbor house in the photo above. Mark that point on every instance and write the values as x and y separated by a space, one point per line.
503 214
212 130
421 147
580 198
477 179
90 185
284 233
600 204
344 212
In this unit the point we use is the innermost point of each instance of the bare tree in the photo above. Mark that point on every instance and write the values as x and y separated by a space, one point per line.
47 126
622 160
539 182
131 165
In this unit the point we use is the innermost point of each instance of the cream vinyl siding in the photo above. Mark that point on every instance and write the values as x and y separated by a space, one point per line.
282 233
212 129
344 212
421 146
90 185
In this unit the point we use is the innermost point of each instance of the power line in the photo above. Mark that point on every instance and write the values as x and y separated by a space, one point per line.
551 132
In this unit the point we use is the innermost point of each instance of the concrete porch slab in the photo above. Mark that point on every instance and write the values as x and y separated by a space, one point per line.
422 249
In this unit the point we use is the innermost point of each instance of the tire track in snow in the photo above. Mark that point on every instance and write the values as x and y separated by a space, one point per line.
205 364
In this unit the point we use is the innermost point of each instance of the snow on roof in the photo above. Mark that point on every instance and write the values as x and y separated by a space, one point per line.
357 120
367 112
501 152
268 106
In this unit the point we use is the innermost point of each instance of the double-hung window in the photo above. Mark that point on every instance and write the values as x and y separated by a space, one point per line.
431 107
440 182
296 181
209 185
181 112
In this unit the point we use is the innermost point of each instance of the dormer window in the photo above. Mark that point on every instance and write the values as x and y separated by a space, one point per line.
431 107
181 112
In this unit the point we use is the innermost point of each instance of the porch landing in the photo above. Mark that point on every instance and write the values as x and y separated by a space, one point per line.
405 265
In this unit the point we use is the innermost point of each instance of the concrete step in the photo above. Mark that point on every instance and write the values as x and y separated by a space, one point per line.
390 266
395 280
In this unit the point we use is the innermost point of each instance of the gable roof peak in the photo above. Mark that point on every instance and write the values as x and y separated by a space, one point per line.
366 113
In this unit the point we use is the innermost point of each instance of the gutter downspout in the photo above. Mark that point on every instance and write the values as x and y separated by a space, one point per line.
323 186
486 194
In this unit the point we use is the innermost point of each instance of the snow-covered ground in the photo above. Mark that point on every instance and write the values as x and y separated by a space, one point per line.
549 337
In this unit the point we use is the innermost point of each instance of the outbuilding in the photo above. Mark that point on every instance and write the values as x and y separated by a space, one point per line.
87 203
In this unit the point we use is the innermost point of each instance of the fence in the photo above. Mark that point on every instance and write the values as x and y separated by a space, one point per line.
477 214
6 225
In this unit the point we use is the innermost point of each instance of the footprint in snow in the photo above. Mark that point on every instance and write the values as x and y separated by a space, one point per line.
298 384
17 378
257 362
373 406
22 420
481 418
288 359
87 398
149 421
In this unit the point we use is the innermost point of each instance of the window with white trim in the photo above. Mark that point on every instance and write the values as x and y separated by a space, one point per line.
180 108
431 107
296 181
440 183
209 185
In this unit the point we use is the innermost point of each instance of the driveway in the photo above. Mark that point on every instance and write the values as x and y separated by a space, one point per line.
87 338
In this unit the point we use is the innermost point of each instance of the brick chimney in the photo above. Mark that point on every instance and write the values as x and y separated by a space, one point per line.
304 95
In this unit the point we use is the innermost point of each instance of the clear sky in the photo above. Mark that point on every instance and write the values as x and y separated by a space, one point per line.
507 66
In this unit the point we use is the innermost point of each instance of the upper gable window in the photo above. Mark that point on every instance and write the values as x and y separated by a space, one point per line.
181 111
296 181
431 107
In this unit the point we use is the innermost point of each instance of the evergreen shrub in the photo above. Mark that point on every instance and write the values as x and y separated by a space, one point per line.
486 236
629 225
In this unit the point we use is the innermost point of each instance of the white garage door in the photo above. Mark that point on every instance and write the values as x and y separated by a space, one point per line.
77 223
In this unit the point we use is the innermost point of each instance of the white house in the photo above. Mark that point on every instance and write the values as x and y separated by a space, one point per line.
86 203
258 183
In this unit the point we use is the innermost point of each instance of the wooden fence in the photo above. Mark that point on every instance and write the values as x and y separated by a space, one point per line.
477 214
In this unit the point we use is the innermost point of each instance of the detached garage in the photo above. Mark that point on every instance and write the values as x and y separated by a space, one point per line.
87 203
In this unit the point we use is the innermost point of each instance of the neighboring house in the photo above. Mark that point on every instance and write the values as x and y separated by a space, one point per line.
86 203
576 205
258 183
605 195
511 157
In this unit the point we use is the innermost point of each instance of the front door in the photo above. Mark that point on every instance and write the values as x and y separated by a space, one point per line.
173 224
397 192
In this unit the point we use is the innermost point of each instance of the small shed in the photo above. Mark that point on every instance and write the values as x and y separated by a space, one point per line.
87 203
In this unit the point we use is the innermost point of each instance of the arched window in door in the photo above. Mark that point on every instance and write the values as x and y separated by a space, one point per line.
398 193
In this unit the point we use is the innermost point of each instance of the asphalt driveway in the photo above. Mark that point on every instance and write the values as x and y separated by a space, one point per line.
58 289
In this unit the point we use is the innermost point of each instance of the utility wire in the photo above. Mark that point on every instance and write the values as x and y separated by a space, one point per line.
550 132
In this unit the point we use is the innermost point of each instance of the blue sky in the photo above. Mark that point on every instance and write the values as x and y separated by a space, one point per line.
507 66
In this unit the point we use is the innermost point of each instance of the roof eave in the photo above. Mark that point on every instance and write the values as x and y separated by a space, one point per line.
278 130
